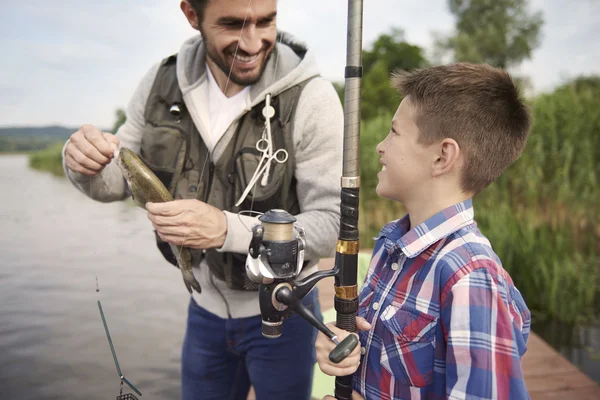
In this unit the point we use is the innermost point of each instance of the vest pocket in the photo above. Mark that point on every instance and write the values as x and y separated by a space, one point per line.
161 151
407 351
260 198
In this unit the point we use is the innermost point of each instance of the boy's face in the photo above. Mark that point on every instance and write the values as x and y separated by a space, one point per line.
406 163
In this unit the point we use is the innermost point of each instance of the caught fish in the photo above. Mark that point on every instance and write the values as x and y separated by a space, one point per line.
146 187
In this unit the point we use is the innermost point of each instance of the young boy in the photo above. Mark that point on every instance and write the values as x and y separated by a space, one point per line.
438 315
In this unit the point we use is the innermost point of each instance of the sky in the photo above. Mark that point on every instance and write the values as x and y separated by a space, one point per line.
71 62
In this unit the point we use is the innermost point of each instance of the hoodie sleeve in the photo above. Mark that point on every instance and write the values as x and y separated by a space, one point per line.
109 185
318 139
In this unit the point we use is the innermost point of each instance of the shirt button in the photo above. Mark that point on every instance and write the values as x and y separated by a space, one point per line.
375 306
363 351
395 266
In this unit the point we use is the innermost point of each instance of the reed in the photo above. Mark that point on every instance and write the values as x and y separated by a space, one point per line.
48 159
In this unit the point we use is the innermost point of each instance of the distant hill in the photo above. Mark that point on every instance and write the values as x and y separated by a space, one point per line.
59 132
28 138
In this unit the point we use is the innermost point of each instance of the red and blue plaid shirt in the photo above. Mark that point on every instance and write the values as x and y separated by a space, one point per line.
447 321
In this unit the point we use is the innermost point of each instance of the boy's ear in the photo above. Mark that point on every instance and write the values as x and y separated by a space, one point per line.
447 157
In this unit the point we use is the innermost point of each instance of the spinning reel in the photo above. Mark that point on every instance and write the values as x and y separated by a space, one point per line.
275 259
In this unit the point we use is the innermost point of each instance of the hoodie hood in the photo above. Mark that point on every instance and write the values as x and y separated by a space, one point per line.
290 63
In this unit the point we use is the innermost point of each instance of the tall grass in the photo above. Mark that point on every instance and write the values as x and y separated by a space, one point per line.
542 215
49 159
373 210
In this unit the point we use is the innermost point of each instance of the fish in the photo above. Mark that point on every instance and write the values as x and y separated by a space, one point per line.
146 187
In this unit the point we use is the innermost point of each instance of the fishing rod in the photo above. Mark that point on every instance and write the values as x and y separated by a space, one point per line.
346 257
126 396
276 252
123 379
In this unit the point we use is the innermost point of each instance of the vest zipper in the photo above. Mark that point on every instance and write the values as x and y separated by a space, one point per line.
211 171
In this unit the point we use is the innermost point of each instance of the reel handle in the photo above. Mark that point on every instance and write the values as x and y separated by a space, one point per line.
342 349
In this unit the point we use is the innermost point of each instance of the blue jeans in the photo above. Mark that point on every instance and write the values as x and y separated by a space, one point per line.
222 357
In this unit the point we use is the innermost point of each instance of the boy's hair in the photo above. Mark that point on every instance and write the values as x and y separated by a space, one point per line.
477 105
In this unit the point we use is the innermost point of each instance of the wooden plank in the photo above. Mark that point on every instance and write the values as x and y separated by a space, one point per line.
588 393
545 364
559 382
542 360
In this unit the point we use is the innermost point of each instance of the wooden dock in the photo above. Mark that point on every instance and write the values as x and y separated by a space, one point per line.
548 374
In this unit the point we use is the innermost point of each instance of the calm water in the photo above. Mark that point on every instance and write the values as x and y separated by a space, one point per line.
52 343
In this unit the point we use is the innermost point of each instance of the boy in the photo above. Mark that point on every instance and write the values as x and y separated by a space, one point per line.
438 315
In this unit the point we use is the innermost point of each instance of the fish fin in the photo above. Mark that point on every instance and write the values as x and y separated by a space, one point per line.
184 262
190 282
196 286
188 286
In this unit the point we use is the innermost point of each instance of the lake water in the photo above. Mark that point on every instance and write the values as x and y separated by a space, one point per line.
52 342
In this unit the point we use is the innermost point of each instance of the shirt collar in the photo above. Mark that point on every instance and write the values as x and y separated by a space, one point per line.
416 240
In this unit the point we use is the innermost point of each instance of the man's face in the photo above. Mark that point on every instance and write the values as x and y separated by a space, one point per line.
406 163
239 37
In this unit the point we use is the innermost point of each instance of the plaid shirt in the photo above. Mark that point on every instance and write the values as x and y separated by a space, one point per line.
447 321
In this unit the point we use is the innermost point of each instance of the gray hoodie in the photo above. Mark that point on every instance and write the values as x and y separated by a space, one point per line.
317 140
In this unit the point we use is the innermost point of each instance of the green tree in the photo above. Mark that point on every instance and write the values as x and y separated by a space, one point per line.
120 119
395 51
498 32
389 52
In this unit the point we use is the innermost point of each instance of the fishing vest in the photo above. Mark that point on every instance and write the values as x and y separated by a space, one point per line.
174 150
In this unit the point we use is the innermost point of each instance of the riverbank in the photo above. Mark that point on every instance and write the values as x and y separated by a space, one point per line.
49 159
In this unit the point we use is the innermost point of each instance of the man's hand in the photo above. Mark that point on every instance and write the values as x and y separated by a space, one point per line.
189 223
89 150
324 346
355 396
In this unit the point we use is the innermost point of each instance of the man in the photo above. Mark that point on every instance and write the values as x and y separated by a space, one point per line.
196 119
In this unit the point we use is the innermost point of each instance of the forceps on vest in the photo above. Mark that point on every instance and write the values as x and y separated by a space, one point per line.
265 146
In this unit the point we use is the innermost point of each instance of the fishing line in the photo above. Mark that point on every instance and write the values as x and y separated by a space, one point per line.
127 396
278 38
237 46
248 212
208 154
123 379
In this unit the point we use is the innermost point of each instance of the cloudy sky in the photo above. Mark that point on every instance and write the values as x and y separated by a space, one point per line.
71 62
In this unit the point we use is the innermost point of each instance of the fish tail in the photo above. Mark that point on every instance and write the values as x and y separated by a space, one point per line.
190 280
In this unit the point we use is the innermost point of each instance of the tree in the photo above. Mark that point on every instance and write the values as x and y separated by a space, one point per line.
121 118
388 53
498 32
395 51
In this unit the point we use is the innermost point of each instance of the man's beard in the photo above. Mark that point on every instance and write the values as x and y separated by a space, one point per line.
223 66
